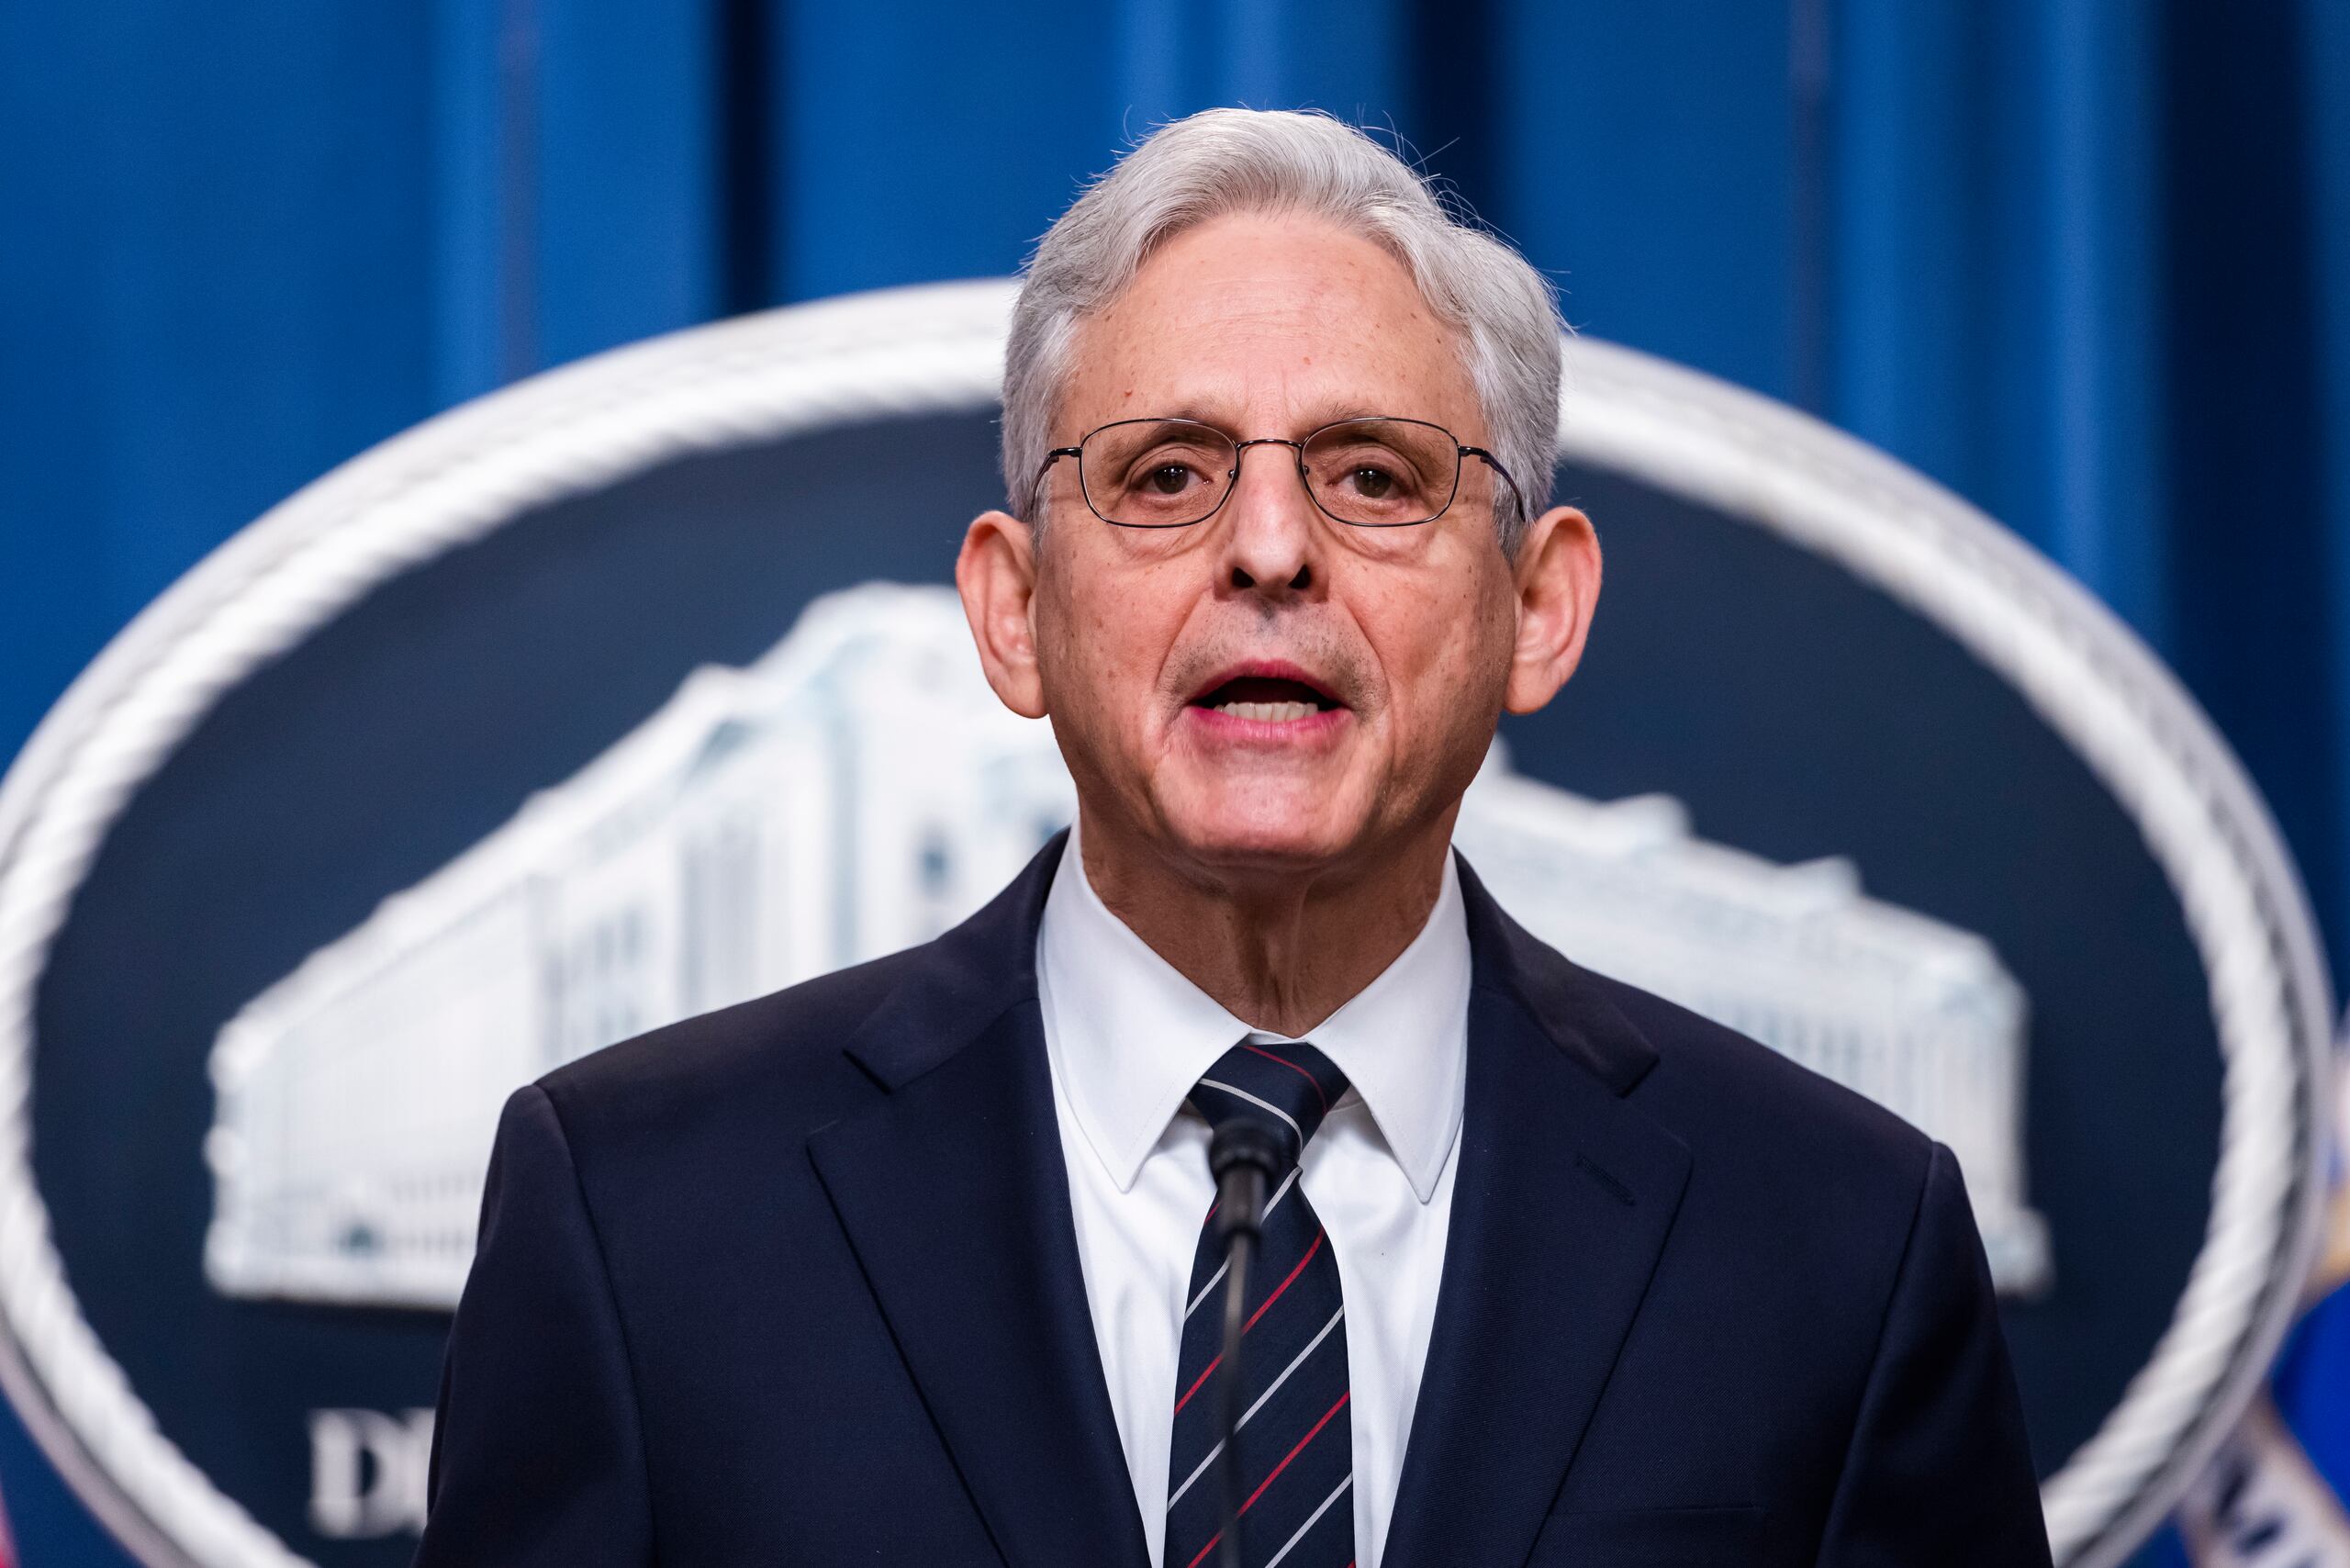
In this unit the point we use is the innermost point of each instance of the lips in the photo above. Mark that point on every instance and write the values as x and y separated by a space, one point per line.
1267 693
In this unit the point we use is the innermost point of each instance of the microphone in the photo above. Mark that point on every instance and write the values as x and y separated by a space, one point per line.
1243 1157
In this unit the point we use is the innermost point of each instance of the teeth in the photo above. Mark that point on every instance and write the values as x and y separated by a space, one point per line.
1269 712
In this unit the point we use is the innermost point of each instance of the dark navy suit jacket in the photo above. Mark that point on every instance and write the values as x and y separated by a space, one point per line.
797 1282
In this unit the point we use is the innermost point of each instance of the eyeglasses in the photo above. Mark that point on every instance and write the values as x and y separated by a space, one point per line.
1366 473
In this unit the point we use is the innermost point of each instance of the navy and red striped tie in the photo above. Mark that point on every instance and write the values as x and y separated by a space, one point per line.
1296 1445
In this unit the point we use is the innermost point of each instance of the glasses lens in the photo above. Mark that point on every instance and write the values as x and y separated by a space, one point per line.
1157 473
1383 473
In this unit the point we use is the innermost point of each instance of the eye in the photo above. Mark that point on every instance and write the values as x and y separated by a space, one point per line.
1371 483
1168 479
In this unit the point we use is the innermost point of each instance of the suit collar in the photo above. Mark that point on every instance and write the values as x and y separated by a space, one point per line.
968 978
1564 1200
954 1196
1561 1000
988 963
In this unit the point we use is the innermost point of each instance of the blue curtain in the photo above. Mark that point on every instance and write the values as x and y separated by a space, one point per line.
2087 262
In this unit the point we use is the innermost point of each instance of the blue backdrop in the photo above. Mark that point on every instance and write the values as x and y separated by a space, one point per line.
2086 261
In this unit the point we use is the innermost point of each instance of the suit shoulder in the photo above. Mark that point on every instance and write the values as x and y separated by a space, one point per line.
781 1051
1790 1175
1713 1083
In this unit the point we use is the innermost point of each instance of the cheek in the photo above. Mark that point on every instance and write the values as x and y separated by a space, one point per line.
1103 637
1445 658
1448 639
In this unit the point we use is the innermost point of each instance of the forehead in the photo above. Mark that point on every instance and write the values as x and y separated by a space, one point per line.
1269 324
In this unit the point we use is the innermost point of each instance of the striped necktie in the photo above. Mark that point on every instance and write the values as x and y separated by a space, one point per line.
1296 1441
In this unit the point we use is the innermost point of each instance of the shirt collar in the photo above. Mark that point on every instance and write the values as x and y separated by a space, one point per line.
1129 1035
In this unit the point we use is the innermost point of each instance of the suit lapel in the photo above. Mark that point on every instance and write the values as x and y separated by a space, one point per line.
1563 1200
954 1195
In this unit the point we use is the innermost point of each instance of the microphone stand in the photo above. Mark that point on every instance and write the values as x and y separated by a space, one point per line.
1243 1157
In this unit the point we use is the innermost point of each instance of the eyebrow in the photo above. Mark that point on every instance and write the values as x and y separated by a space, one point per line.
1193 412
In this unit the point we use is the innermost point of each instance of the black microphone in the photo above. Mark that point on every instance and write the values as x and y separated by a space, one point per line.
1243 1157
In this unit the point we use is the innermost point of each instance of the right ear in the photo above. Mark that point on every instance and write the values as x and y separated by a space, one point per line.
996 573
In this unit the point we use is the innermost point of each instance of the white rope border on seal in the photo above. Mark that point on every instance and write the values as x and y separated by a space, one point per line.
2146 741
462 476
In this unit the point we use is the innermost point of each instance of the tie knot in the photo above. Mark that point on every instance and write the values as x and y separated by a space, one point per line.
1288 1086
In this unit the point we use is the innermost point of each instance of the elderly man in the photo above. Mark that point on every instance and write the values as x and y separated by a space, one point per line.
916 1264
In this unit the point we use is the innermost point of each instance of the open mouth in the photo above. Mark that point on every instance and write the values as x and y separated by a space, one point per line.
1267 698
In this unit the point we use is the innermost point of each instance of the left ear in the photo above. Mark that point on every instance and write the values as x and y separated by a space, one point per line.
1557 580
996 573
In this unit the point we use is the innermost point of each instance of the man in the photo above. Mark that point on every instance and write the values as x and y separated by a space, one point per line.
909 1264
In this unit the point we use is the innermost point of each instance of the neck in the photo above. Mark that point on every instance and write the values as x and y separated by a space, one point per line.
1280 951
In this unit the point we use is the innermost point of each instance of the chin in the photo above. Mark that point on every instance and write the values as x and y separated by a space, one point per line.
1271 830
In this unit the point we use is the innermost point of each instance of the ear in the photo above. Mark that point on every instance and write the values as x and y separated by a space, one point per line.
1557 575
996 573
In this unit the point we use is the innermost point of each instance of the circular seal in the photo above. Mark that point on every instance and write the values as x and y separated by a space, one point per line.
588 704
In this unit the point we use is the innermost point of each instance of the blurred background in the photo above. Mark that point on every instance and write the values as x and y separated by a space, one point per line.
2085 262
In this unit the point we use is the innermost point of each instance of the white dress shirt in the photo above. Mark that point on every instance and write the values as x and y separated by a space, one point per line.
1128 1036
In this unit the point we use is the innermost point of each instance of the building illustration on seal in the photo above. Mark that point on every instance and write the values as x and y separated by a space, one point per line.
859 790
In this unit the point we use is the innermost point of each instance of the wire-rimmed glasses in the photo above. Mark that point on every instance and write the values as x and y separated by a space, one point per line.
1365 473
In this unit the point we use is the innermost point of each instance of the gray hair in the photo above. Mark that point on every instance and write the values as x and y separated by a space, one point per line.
1226 160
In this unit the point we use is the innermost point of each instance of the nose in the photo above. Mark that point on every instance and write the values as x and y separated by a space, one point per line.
1271 537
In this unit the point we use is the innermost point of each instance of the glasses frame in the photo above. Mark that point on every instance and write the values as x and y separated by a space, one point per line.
1297 455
